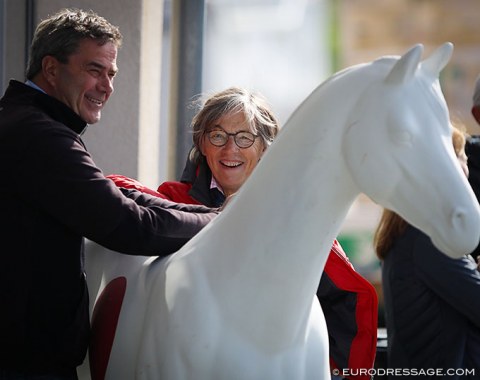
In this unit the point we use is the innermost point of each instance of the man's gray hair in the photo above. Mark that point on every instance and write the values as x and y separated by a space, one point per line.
60 35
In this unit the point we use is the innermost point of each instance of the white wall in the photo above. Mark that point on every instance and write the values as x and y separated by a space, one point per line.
14 41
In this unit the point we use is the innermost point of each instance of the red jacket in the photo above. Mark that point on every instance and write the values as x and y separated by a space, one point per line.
349 302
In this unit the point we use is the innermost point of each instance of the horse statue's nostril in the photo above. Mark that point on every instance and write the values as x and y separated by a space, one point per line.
458 219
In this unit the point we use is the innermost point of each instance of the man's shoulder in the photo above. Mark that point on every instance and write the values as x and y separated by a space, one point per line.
27 107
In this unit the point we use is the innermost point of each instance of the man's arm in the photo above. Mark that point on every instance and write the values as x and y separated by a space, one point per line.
60 178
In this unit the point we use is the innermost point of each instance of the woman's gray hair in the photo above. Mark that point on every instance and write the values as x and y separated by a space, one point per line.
60 35
230 101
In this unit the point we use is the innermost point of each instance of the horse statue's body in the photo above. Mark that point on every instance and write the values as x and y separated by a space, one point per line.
238 300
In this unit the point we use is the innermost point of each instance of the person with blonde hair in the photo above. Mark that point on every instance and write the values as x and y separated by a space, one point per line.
432 305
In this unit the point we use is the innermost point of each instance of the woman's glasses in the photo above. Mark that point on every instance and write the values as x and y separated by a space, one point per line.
243 139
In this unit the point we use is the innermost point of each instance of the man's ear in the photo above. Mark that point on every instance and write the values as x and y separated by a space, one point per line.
476 113
49 68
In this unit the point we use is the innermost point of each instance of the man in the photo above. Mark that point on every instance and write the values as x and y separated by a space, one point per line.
52 195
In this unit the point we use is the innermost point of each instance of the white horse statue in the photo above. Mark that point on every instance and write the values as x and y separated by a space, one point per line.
238 300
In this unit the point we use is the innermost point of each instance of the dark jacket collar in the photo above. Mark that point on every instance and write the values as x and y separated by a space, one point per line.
200 176
20 93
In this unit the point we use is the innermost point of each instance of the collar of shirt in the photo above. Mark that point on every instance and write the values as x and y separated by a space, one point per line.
214 185
33 85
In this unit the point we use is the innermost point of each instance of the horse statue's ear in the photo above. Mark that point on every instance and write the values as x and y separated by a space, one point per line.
438 60
405 68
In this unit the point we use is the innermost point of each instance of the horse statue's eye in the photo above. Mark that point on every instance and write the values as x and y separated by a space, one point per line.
404 137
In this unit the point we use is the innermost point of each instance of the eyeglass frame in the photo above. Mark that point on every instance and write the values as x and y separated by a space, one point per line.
234 135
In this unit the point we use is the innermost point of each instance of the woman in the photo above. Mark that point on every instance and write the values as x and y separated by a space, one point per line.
231 131
432 302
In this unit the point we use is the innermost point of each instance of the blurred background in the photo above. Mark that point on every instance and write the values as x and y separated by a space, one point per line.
175 50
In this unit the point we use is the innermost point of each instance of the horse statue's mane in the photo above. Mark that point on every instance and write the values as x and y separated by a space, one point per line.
238 300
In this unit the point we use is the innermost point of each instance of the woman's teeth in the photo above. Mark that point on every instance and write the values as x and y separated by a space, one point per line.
231 164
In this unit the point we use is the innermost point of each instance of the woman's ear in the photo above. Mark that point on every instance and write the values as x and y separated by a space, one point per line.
265 146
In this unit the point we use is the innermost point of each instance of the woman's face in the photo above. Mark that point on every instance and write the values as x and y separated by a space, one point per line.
231 165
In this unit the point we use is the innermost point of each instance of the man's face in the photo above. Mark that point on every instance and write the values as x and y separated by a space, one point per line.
86 82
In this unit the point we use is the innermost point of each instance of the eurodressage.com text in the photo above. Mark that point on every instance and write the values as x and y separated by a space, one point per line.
405 372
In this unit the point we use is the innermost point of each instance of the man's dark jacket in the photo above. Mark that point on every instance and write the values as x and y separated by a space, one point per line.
51 196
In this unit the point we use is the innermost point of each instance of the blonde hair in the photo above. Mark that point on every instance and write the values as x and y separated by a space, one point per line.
459 138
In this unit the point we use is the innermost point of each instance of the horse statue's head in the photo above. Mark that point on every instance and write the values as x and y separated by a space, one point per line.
421 178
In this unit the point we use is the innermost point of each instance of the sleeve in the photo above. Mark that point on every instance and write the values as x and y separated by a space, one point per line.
350 306
171 190
130 183
64 182
456 281
173 224
177 192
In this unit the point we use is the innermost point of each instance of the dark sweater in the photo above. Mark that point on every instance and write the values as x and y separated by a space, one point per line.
51 196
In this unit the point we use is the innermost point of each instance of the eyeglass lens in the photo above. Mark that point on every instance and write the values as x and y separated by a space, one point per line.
243 139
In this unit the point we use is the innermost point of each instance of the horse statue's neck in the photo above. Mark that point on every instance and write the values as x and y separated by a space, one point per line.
270 284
